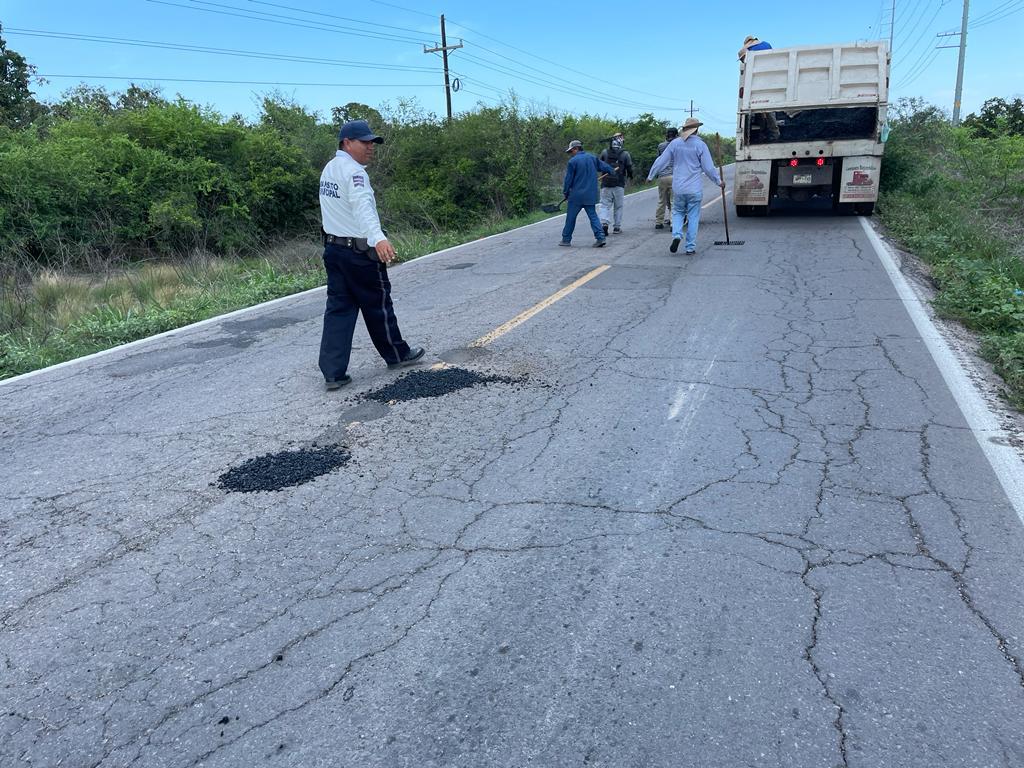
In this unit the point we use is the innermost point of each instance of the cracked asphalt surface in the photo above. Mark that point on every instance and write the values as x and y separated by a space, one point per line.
729 516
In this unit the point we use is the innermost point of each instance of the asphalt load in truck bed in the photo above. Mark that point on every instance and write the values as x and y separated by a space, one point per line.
284 469
433 383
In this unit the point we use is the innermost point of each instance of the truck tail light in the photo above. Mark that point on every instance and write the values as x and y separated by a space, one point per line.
794 163
820 161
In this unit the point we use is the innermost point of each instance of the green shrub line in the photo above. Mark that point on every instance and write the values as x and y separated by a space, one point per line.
955 198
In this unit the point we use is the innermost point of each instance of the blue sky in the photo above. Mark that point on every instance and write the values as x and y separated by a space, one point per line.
612 59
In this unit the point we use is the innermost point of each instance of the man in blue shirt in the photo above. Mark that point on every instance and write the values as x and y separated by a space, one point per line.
689 157
752 43
580 190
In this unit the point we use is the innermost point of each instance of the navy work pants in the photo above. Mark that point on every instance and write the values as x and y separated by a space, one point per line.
357 283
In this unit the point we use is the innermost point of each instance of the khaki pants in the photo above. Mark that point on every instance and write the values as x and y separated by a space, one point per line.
664 210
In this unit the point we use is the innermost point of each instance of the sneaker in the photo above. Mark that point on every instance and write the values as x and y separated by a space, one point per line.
690 251
659 226
600 243
411 358
565 243
605 228
332 384
616 231
675 245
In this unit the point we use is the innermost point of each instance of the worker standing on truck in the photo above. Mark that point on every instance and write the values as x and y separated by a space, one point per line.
689 157
613 185
664 210
356 255
751 43
580 190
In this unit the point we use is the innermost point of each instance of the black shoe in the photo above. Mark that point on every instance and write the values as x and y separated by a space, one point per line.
690 252
330 384
659 226
600 243
616 231
565 243
411 358
605 228
675 245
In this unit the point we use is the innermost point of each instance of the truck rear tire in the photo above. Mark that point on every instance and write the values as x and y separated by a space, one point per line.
743 210
864 209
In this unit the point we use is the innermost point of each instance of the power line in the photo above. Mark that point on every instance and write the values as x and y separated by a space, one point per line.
402 8
992 14
1009 11
318 13
548 61
917 41
556 85
333 28
908 28
136 43
242 82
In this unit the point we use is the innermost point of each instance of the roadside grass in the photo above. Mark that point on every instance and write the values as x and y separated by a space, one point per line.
49 316
956 201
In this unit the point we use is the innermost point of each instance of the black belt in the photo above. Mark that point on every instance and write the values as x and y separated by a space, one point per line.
346 242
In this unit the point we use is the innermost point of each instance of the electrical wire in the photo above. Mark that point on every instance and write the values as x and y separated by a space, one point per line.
992 14
541 58
325 15
1010 11
243 82
136 43
335 29
555 85
917 41
908 28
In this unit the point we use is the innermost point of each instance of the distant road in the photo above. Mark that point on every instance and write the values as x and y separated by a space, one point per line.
718 510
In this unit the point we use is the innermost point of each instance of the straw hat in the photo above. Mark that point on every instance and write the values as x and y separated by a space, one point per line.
748 41
689 127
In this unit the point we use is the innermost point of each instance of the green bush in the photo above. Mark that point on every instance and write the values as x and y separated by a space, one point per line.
953 196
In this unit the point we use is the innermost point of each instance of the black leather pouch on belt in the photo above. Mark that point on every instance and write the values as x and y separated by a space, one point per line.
357 244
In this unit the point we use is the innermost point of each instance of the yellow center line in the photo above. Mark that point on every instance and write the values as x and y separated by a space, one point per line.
522 317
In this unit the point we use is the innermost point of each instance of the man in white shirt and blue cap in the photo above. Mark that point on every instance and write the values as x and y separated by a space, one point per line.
356 254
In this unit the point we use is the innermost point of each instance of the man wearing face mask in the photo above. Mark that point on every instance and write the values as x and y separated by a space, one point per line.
356 254
613 185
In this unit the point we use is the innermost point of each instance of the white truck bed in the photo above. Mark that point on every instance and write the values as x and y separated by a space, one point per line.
815 75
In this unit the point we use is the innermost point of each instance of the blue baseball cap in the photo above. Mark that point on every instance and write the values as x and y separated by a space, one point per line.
360 131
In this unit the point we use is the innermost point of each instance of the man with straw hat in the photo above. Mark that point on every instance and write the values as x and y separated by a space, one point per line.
690 159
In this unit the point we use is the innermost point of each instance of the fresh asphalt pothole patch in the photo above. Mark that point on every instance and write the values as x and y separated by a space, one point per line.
284 469
435 382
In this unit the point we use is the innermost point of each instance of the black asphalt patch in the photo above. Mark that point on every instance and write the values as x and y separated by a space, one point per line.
283 469
433 383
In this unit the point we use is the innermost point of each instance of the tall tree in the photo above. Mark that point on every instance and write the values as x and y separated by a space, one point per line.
18 108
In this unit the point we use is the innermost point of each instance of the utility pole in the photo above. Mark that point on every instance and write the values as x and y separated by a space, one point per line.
692 110
444 48
892 25
960 66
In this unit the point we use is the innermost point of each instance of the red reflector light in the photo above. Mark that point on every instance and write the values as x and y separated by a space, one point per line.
820 161
794 163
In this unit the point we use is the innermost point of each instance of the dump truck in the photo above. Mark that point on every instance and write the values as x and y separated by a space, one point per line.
811 127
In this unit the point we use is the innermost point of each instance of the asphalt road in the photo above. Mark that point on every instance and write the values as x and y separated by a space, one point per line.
724 512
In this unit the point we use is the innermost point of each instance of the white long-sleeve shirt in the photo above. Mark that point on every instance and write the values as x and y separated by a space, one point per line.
689 158
347 203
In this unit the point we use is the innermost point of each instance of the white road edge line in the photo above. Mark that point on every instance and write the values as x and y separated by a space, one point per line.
992 438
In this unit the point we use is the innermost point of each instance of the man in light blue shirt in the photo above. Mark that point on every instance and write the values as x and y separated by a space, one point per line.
690 158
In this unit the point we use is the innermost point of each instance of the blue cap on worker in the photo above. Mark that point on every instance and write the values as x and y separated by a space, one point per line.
360 131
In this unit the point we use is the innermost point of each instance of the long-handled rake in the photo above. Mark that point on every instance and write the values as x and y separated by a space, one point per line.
725 211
